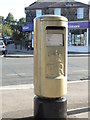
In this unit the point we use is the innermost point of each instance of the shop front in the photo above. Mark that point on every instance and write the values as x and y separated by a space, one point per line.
78 36
28 29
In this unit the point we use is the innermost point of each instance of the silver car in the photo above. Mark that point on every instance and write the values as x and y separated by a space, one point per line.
2 47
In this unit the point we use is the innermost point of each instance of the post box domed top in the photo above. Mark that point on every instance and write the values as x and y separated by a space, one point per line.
52 18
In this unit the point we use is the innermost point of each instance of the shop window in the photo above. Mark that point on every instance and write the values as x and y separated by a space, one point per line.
80 13
77 37
57 11
38 13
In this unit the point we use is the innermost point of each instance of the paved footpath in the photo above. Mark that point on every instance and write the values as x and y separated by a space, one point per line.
17 101
12 52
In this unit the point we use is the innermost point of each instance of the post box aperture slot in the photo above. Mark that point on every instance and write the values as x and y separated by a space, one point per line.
55 28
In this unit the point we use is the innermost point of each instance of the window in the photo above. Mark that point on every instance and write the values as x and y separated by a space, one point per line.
80 13
38 13
57 11
77 37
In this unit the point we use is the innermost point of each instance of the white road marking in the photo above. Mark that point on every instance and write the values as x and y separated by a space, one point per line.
77 114
13 87
81 71
71 82
1 56
78 109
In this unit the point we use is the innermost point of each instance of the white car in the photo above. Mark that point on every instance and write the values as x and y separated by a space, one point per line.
2 48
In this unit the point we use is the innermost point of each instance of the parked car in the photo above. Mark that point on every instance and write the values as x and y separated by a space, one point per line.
2 47
1 38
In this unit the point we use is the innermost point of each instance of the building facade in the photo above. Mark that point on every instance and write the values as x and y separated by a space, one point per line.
78 20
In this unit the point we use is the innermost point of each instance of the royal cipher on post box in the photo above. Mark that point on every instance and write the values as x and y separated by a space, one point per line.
50 56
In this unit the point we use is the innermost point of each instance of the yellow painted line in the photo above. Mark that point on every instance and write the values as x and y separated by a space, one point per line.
15 74
12 74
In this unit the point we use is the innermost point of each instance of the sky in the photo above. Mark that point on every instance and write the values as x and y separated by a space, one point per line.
16 7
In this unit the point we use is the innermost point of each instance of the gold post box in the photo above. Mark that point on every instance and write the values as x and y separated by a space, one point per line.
50 56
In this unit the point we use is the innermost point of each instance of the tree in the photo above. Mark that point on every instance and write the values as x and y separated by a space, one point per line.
1 19
22 20
6 30
18 35
10 18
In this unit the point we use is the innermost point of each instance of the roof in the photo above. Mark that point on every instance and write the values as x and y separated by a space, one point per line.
42 5
39 5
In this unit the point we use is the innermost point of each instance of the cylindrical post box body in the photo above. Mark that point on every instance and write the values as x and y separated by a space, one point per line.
50 56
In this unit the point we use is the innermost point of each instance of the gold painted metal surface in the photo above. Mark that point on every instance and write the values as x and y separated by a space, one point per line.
50 56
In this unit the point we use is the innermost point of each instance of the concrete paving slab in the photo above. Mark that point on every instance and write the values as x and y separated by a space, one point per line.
17 101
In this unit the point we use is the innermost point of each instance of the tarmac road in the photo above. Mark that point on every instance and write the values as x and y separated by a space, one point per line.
16 71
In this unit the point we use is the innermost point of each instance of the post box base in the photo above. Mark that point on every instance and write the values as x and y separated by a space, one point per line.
50 108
